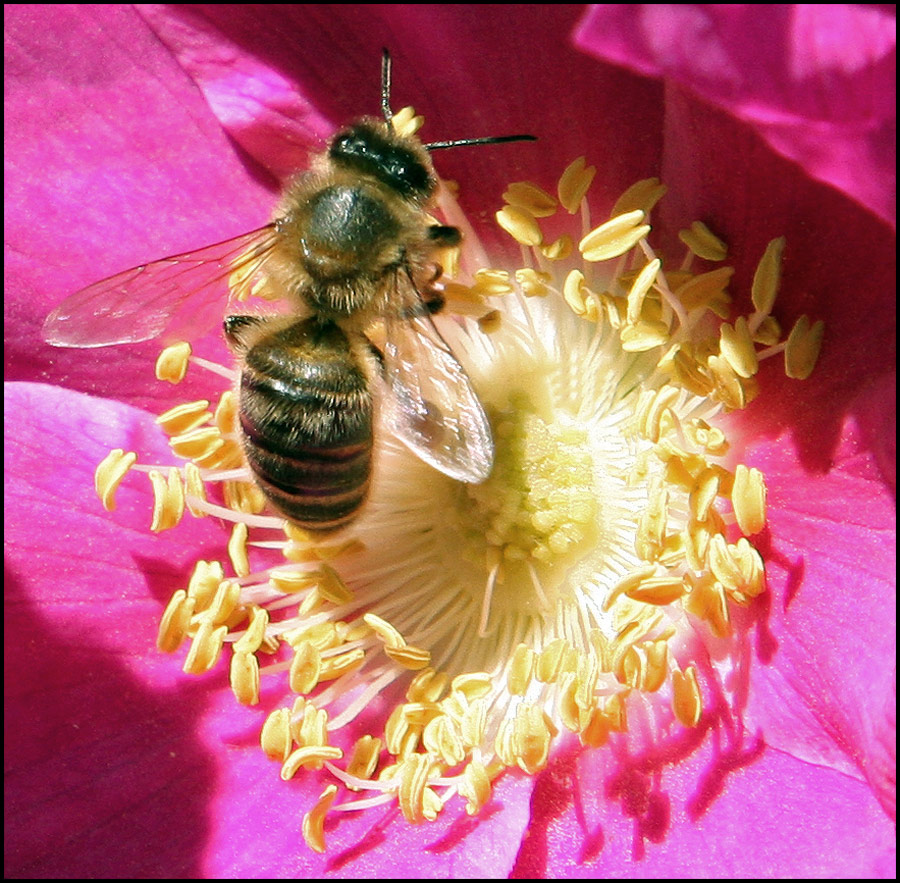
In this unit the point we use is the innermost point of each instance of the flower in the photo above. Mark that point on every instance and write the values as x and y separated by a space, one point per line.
824 762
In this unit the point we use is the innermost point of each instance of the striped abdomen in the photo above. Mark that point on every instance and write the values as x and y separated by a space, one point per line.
306 422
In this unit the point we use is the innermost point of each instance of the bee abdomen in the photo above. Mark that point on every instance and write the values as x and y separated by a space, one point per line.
306 422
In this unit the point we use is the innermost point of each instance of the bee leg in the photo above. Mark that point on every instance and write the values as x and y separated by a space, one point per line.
377 354
240 331
431 300
444 236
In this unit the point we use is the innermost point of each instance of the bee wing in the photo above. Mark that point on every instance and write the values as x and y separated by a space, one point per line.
433 407
180 297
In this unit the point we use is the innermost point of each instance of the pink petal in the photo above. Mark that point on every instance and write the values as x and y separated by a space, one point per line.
729 807
825 689
115 160
816 82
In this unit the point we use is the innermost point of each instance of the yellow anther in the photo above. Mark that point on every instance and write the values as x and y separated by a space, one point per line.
768 332
643 195
520 224
748 496
244 677
223 454
335 666
521 667
332 587
243 496
490 322
413 792
559 249
305 668
575 292
738 567
472 723
224 602
198 443
532 734
614 238
407 122
658 590
802 349
204 583
730 390
237 549
442 738
323 636
109 474
252 638
687 702
310 757
413 658
427 686
364 758
574 183
656 405
708 601
173 362
176 618
703 242
226 412
275 737
708 290
184 417
314 820
313 726
703 493
736 345
551 660
194 488
645 665
385 631
475 786
168 499
644 336
490 283
533 283
205 648
472 685
767 278
292 581
533 199
639 289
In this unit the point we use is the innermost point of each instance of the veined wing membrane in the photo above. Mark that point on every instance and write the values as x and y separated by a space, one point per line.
179 297
434 409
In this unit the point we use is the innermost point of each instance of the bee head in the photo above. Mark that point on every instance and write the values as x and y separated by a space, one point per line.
370 148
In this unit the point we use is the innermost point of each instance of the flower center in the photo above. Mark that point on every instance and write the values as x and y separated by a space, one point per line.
555 594
537 511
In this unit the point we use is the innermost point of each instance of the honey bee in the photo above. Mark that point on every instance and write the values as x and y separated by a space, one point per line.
351 245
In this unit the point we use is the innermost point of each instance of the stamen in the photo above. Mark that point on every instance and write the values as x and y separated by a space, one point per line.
802 350
703 242
614 238
172 363
314 820
109 475
574 184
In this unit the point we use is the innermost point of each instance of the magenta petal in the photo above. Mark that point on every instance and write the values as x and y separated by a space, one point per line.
817 82
733 809
101 737
113 159
105 736
825 689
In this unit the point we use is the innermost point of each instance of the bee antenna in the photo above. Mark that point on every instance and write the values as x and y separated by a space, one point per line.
386 86
465 142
